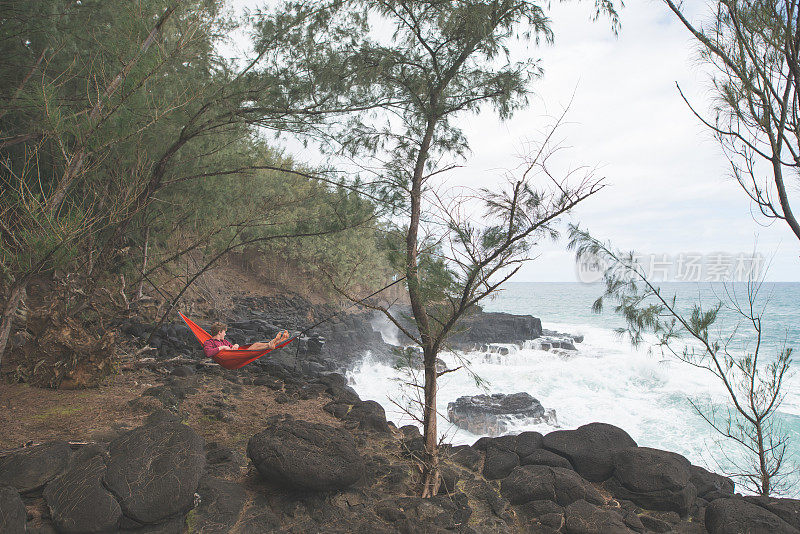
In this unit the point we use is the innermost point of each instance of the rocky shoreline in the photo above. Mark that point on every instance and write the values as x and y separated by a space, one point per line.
356 473
287 446
339 344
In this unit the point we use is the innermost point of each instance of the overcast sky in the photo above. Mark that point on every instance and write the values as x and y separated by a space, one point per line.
669 189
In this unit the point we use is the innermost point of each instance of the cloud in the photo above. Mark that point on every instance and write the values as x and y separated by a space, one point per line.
669 185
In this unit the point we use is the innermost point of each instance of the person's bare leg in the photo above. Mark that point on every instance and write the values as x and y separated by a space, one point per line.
282 336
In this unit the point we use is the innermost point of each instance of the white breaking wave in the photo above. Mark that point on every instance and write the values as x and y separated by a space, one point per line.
606 380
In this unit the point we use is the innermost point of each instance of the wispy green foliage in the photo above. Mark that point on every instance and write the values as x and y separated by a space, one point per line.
445 60
126 132
754 387
754 49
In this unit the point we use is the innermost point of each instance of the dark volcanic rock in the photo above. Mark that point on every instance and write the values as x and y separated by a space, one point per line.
540 482
165 395
505 443
497 328
161 415
449 477
465 456
89 451
654 523
221 503
653 479
551 339
311 391
489 414
549 342
173 525
271 383
522 444
258 518
486 493
527 443
215 454
633 521
585 518
412 431
437 514
545 457
736 515
154 470
78 501
368 415
710 484
12 511
338 409
413 446
343 394
333 380
786 509
534 509
222 462
306 455
479 328
30 469
499 463
589 448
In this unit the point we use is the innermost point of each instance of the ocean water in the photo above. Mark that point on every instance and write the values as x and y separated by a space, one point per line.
646 393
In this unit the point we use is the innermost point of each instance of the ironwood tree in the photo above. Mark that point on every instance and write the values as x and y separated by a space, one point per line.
754 49
126 131
445 60
754 382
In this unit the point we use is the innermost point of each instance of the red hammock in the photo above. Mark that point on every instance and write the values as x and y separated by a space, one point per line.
231 358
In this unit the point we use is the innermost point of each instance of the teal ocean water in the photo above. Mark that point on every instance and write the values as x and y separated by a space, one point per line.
570 303
648 394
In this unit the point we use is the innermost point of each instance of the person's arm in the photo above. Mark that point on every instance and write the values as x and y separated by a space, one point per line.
210 349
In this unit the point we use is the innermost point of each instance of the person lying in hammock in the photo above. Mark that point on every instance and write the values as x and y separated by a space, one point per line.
217 342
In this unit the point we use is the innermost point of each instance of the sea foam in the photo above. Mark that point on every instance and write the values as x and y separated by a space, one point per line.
646 393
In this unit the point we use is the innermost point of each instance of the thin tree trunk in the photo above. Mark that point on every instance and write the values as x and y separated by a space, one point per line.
783 198
430 483
762 461
15 297
430 474
140 292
